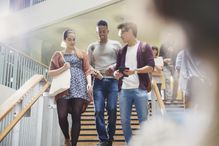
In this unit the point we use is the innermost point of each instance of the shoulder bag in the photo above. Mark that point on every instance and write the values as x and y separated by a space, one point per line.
60 82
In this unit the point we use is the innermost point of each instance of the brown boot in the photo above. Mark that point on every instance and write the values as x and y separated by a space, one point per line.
67 142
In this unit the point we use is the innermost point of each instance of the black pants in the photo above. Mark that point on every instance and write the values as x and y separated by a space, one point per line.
74 107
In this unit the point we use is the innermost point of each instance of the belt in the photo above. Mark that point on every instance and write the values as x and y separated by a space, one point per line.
107 75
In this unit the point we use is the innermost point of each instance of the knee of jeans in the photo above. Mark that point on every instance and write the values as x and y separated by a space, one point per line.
99 113
125 121
112 109
143 118
112 115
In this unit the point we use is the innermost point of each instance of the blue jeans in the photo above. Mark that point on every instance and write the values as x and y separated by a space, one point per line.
105 89
128 97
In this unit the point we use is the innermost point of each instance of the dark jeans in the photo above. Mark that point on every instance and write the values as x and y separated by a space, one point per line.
105 89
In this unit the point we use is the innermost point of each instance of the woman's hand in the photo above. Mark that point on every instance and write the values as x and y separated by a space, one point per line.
90 92
97 74
66 66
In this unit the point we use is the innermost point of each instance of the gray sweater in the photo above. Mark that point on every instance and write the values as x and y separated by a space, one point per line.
101 56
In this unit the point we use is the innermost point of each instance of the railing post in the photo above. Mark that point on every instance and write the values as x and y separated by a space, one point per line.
153 103
39 121
50 117
54 137
16 129
1 64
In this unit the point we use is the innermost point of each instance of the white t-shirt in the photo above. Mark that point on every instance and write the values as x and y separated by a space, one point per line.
158 62
132 81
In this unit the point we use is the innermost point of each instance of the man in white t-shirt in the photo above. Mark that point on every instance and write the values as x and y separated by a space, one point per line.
134 82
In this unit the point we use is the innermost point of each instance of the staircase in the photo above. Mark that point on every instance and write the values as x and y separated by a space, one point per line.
88 135
175 110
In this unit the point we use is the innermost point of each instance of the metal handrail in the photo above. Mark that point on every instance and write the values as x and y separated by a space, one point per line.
159 99
17 97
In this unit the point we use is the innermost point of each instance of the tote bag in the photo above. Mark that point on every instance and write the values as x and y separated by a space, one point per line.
60 82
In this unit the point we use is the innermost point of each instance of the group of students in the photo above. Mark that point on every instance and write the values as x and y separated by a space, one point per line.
103 73
202 33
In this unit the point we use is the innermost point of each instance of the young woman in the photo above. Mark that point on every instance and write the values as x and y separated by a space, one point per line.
157 72
75 99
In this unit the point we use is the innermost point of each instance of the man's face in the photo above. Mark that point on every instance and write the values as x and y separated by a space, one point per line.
125 35
103 32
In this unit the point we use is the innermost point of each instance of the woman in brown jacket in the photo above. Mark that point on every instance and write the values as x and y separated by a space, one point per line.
76 98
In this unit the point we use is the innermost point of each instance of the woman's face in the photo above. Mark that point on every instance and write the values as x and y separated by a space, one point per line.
70 40
154 53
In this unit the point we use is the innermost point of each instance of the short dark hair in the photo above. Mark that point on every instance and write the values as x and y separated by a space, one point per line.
102 23
127 26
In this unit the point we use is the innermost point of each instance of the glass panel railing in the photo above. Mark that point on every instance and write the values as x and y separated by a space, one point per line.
24 116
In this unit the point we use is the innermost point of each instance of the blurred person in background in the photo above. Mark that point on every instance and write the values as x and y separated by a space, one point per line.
168 52
190 70
157 72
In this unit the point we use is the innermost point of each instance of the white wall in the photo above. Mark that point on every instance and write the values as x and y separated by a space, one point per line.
46 13
4 7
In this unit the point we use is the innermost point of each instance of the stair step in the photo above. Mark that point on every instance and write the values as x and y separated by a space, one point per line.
84 122
94 127
83 132
88 135
91 109
105 117
94 137
88 143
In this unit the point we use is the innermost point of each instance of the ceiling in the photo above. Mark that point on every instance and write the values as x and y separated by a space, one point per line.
149 27
114 14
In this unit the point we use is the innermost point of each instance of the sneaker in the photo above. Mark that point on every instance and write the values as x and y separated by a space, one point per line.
102 144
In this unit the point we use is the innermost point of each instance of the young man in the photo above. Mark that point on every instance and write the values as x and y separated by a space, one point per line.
134 81
102 56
